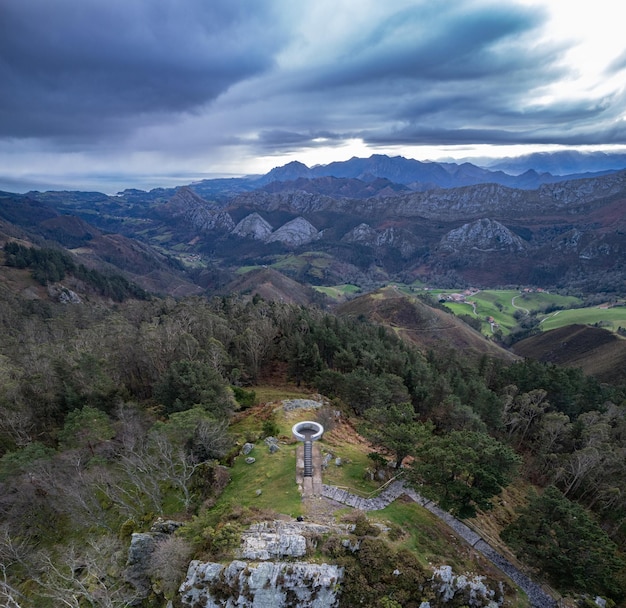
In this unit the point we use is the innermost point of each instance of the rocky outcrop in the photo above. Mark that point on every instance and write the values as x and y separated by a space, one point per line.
448 586
197 212
278 540
142 546
483 235
63 294
264 585
253 226
393 237
295 233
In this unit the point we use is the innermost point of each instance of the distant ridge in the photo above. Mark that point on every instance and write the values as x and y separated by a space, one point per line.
424 175
561 163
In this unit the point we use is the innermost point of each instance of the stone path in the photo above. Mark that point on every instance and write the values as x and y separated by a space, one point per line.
537 596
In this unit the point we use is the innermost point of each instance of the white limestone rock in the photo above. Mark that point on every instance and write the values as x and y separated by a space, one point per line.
483 235
253 226
266 585
295 233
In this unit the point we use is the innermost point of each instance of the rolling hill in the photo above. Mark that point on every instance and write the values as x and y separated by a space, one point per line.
598 352
421 324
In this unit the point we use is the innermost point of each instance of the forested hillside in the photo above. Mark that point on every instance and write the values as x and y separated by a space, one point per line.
116 413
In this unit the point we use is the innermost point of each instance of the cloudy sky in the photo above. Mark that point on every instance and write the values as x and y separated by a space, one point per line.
107 94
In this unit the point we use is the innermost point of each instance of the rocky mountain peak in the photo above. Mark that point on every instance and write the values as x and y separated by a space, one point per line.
483 234
253 226
290 171
295 233
194 210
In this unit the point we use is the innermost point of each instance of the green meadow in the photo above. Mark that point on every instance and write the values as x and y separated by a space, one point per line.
505 306
608 318
338 292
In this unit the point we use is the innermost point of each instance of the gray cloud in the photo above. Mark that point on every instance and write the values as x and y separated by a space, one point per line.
82 68
437 42
188 83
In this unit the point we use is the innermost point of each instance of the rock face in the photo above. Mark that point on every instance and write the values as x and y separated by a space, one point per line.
197 212
472 588
253 226
395 238
294 233
265 585
278 540
484 235
142 545
259 583
137 572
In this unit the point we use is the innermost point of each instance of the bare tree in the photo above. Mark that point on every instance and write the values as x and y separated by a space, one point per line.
90 576
12 552
169 563
10 597
523 411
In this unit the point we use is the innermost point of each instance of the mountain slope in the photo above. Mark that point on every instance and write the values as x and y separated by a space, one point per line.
36 223
598 352
272 286
423 325
568 234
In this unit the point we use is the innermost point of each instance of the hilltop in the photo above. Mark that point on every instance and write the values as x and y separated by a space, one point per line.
421 324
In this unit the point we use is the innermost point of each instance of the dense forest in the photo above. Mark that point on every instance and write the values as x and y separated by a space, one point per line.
114 414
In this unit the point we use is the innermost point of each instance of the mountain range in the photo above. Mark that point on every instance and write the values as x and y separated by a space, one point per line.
364 221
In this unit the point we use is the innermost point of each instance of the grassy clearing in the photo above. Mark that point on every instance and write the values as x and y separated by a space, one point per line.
273 474
338 292
609 318
425 535
352 472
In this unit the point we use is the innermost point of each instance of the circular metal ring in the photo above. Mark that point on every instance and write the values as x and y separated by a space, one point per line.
299 428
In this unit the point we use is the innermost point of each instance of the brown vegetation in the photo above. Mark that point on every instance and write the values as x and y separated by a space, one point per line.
598 352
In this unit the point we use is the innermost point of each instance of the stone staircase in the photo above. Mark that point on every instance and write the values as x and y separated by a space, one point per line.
308 458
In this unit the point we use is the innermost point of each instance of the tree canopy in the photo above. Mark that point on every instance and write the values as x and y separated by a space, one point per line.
463 470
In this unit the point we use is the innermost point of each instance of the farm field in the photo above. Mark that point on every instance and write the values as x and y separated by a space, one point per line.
501 307
608 318
497 308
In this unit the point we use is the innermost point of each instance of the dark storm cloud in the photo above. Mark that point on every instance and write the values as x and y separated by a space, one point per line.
277 139
437 42
79 68
168 85
432 73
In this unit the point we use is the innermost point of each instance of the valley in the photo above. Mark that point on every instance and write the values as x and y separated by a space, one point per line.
465 336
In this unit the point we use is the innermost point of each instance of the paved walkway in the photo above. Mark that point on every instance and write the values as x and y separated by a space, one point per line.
311 486
537 596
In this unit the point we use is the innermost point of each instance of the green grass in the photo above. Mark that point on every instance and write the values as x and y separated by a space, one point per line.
502 305
338 292
290 262
351 473
245 269
425 535
273 474
609 318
